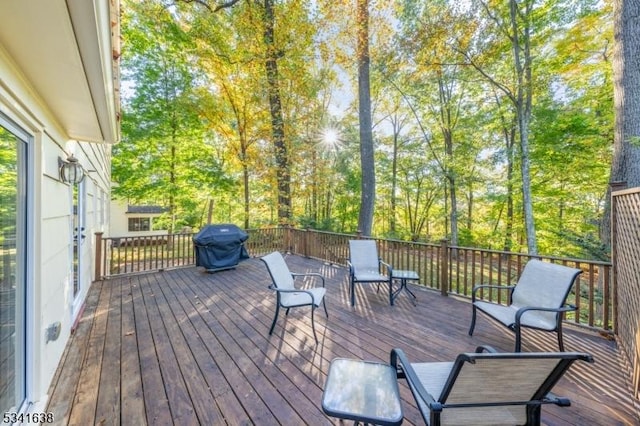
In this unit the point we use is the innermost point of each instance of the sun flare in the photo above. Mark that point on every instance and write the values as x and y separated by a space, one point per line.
330 137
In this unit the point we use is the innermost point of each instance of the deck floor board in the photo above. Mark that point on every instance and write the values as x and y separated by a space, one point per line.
187 347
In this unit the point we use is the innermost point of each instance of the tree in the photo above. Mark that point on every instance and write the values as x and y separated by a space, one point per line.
397 120
165 155
517 28
277 121
367 163
626 72
271 53
625 167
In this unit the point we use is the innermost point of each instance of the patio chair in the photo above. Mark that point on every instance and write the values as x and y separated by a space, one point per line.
287 295
486 387
365 266
537 301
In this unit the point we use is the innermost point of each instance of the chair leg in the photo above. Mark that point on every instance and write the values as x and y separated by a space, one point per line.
313 327
390 292
560 341
275 317
324 305
517 330
352 291
473 321
533 414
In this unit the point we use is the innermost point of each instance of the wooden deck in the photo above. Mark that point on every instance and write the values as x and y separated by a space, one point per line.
186 347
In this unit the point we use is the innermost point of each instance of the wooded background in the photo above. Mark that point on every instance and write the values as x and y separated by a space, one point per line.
492 121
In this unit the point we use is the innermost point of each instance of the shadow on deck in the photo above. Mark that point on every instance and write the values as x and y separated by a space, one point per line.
187 347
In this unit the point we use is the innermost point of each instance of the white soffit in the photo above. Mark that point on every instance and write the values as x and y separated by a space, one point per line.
63 50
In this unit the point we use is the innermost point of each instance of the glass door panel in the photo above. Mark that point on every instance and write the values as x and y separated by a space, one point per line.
78 236
12 270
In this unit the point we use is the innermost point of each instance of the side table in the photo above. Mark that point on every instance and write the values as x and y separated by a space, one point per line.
362 391
403 276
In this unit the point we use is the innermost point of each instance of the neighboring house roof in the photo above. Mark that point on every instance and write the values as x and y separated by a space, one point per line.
146 209
69 51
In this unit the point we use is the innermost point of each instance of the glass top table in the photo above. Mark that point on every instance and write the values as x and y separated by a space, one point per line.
403 276
362 391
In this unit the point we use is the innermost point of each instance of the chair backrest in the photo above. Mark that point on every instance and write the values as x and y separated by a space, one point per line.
494 378
544 285
278 270
363 255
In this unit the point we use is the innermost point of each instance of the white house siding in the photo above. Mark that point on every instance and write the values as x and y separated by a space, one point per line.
119 221
49 252
50 292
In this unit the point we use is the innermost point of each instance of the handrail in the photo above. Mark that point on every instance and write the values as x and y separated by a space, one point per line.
451 270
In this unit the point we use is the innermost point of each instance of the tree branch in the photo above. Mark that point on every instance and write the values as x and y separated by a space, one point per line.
205 3
225 5
200 2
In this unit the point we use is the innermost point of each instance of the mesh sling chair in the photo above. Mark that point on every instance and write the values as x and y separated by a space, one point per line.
486 388
365 266
287 295
537 301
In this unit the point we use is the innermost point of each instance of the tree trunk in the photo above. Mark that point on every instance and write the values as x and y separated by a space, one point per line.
283 175
626 68
447 125
397 128
508 232
368 186
245 184
172 178
522 58
315 216
625 166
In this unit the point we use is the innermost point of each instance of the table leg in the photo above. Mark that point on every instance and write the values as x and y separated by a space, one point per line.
391 296
403 286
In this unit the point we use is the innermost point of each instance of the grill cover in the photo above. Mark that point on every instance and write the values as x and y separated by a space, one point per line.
220 246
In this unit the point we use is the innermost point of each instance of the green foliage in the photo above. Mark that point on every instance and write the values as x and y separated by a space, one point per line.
166 155
9 146
197 125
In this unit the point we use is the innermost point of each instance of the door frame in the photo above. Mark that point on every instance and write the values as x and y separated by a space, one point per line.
28 163
78 231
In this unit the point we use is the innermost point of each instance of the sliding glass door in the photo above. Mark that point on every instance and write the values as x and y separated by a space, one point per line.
13 288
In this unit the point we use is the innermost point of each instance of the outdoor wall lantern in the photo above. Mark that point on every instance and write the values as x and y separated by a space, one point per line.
71 170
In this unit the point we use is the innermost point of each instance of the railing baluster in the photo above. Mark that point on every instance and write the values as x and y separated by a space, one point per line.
606 296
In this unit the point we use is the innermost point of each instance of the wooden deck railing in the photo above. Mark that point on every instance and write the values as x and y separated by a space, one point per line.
129 255
625 236
460 268
448 269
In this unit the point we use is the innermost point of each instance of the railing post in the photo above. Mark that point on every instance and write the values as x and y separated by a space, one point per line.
287 237
98 266
305 245
613 229
444 265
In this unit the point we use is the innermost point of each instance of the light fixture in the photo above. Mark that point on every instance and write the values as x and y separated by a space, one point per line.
70 170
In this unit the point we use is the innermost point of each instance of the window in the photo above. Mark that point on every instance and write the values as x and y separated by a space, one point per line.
139 224
13 265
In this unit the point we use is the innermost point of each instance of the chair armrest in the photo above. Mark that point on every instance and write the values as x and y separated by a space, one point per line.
524 309
292 290
498 287
350 265
486 348
309 274
404 370
387 266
